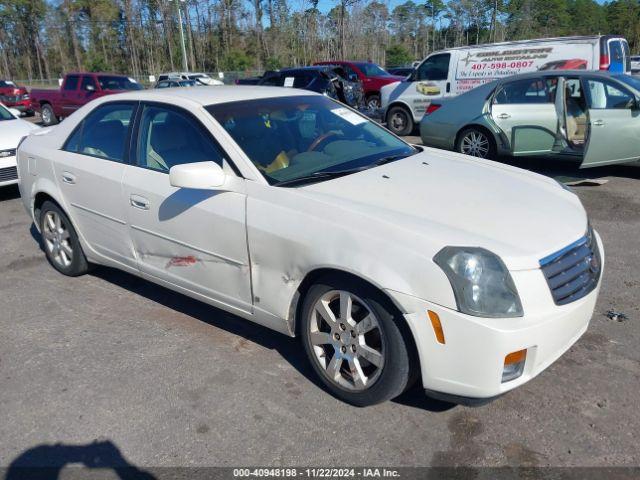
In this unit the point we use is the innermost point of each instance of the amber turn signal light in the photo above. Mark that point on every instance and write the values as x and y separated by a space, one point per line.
515 357
437 326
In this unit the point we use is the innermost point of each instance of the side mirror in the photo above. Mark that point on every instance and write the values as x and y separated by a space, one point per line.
200 176
90 88
15 112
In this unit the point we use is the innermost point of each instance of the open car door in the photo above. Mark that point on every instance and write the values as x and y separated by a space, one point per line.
526 113
614 123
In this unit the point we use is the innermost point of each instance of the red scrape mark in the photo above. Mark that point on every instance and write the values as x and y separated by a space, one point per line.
182 261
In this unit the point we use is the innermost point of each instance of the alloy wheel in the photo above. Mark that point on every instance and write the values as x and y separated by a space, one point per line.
476 144
57 240
398 121
347 340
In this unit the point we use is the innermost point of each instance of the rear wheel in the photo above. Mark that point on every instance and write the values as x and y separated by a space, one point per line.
60 241
399 121
48 115
476 142
354 342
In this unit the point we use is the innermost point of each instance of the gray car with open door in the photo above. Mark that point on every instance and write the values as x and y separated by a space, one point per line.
592 118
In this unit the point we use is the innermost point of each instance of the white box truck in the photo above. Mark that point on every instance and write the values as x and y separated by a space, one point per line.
457 70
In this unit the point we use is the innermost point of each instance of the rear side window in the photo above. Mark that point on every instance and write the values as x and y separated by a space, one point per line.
103 133
71 83
534 90
171 137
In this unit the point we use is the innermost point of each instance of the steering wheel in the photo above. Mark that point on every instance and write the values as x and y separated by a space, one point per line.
321 139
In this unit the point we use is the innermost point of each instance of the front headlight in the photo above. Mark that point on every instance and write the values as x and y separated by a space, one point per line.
481 282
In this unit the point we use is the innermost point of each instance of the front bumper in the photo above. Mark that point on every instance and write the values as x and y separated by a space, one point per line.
470 363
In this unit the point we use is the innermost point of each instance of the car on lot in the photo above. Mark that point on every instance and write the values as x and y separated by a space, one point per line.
12 131
328 80
372 76
635 64
198 77
175 83
76 90
391 262
454 71
592 118
14 96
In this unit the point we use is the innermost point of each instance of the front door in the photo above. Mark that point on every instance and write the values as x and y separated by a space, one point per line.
614 123
429 81
195 239
525 112
89 170
69 95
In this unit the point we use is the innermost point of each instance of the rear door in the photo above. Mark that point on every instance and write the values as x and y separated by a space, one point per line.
525 111
69 95
614 123
89 171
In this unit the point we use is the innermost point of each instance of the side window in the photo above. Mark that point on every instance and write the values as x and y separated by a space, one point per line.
351 73
103 133
273 81
301 81
71 82
533 90
435 67
170 137
604 94
88 84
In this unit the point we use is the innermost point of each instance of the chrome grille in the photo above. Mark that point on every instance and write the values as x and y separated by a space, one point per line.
574 271
8 173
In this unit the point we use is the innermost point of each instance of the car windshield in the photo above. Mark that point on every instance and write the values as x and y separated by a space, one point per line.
5 114
629 80
288 138
371 70
118 83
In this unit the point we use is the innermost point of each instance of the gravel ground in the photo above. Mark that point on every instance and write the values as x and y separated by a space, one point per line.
163 380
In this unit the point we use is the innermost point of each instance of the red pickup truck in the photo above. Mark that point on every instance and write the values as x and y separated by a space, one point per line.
76 90
14 96
371 75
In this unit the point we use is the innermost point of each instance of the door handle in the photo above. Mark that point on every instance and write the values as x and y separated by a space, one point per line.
68 177
598 123
139 202
504 116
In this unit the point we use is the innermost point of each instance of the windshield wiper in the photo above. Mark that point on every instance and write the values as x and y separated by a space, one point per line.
326 175
314 177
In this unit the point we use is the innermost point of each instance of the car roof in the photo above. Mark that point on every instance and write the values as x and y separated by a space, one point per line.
209 95
559 73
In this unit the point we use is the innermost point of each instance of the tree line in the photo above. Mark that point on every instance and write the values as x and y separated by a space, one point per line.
44 38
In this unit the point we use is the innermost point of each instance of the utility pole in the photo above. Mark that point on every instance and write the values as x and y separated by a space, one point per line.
184 48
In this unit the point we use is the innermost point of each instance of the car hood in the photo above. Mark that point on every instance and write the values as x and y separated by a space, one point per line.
441 198
11 131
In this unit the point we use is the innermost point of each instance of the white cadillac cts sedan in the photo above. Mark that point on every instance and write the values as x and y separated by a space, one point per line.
391 262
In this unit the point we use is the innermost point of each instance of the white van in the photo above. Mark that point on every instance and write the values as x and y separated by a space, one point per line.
457 70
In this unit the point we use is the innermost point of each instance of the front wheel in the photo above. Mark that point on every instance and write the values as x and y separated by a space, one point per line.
354 342
373 102
477 143
399 121
48 115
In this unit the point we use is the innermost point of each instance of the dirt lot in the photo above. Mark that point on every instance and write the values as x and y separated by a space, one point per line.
166 381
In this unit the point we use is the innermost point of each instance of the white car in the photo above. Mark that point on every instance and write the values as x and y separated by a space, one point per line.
286 208
198 77
12 130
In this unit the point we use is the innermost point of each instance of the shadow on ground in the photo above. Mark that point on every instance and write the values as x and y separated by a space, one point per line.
45 462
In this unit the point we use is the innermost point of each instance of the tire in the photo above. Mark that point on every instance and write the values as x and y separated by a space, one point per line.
373 102
48 115
483 146
371 360
60 241
399 121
